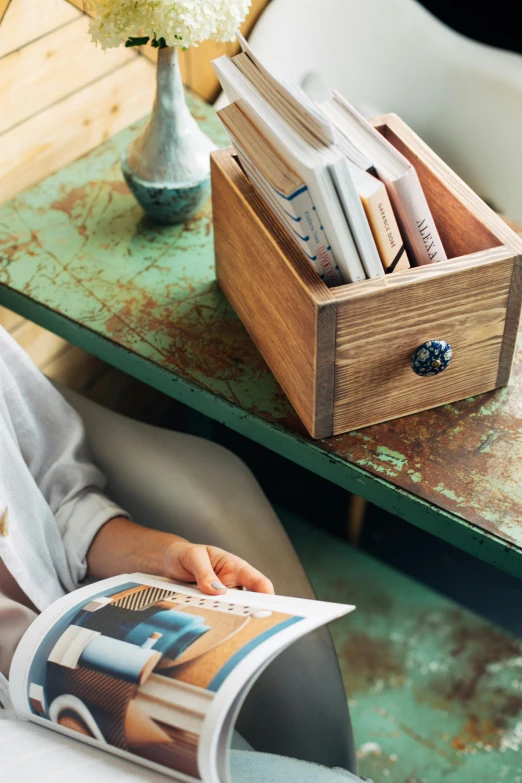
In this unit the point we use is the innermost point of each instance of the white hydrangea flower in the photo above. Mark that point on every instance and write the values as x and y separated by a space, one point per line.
180 22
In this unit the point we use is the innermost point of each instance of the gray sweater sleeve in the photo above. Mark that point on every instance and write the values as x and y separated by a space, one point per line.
51 438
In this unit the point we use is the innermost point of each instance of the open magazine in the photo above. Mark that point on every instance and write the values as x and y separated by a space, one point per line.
155 671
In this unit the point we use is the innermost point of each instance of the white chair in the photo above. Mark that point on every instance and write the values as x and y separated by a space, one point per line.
463 98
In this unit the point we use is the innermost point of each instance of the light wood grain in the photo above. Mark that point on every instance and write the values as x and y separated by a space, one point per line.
377 335
9 320
34 77
3 8
75 125
196 65
45 57
196 62
27 20
41 345
415 275
285 306
73 367
512 324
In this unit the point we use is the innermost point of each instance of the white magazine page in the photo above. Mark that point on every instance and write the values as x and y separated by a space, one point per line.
150 670
31 753
275 623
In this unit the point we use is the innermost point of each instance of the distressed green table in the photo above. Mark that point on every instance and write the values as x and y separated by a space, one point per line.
77 257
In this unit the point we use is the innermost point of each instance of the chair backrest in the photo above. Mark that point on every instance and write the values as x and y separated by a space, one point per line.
463 98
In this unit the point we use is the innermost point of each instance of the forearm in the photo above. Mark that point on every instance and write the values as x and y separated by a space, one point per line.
122 546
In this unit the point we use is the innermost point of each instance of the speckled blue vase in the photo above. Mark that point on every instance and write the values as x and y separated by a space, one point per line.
432 357
167 167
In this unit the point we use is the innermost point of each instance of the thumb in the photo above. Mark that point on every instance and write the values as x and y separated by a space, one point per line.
197 561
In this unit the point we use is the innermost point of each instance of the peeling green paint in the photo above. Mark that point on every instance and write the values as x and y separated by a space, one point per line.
491 407
449 494
487 441
387 455
77 257
382 469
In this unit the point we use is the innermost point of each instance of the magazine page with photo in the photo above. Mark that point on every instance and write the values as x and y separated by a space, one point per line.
154 671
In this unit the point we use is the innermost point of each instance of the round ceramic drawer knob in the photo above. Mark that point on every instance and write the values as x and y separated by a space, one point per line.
432 357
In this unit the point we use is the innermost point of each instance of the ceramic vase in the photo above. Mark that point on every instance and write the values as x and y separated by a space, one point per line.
167 167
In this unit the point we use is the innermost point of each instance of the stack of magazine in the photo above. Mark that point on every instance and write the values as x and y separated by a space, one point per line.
353 202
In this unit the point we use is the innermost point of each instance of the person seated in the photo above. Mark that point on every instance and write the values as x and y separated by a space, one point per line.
59 529
57 526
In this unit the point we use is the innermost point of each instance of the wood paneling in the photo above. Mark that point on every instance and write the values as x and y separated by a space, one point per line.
27 20
74 368
60 96
10 320
75 125
41 345
34 77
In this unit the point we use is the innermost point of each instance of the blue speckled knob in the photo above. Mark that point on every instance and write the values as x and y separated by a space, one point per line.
432 357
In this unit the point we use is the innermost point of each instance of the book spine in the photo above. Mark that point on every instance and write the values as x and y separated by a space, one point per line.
302 212
386 232
416 221
357 220
299 215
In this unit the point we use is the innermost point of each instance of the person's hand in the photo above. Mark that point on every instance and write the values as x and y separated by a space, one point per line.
213 569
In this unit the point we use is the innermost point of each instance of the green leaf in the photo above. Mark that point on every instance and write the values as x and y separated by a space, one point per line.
159 43
137 41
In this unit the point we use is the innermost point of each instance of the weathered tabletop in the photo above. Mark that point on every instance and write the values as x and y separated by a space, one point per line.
77 257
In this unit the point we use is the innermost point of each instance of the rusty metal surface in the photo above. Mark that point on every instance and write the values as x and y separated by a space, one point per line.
78 247
435 692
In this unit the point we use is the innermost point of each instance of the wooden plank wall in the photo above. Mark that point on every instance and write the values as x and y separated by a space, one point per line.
61 96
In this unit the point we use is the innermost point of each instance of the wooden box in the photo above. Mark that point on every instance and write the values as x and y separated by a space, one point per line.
343 355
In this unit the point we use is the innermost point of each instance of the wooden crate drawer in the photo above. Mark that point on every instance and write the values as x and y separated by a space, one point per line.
343 355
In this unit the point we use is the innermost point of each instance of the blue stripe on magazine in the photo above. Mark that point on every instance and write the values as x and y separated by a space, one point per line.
262 188
294 195
305 239
237 657
296 220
